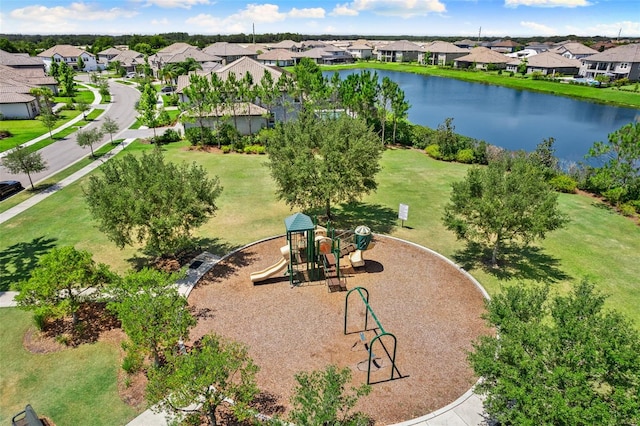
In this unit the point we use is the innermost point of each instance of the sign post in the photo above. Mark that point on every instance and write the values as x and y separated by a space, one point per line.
403 213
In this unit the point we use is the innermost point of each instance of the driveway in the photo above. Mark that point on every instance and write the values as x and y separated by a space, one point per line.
65 152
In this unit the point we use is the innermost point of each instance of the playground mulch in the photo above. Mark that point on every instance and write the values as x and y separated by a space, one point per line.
432 308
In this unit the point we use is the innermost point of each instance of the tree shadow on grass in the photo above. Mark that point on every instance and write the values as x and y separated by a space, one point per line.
378 218
514 262
215 246
17 261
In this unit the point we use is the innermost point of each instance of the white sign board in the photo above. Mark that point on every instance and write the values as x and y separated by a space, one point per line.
403 212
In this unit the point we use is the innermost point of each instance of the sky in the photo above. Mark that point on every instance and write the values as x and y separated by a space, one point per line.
463 18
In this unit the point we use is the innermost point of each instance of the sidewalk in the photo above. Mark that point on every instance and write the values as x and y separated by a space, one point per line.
35 199
96 103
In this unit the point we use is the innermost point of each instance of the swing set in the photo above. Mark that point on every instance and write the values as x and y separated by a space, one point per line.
364 296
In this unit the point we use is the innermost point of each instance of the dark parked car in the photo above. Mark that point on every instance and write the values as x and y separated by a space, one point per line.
9 187
167 89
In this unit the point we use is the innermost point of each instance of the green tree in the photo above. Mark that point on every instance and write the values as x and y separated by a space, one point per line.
544 158
21 160
64 278
494 206
621 163
322 398
560 360
359 93
523 65
65 78
88 138
317 162
400 107
83 107
447 139
80 63
44 98
148 107
211 372
49 119
153 314
148 200
110 126
200 102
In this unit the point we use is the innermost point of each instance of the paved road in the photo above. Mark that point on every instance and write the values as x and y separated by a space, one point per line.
65 152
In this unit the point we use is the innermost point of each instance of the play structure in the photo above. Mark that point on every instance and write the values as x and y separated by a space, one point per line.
315 253
380 334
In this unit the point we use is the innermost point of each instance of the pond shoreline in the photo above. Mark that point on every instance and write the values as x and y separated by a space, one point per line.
605 96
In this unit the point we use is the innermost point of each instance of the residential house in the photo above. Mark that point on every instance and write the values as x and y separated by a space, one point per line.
618 62
277 57
548 63
254 112
107 55
574 50
441 53
360 51
130 60
179 52
18 75
248 118
312 44
466 43
229 52
65 53
287 45
327 55
482 58
505 46
400 51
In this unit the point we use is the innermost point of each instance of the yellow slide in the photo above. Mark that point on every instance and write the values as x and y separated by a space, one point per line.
273 270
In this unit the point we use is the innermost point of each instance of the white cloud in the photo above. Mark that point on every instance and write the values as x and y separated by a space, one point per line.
175 4
626 28
344 10
540 29
547 3
163 21
402 8
316 12
259 13
238 22
63 19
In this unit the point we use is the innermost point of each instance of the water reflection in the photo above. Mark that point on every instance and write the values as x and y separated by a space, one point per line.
514 119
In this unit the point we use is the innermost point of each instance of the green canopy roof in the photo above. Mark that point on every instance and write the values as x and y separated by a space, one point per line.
298 222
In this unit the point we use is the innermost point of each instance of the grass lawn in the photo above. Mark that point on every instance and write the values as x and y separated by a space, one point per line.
27 193
26 130
609 95
597 244
82 94
71 386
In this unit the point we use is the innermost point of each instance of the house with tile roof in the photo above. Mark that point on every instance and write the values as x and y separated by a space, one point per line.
504 46
482 58
574 50
327 55
287 45
618 62
547 63
360 51
441 53
179 52
65 53
229 52
254 115
18 75
400 51
277 57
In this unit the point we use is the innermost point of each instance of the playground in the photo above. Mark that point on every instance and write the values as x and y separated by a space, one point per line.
432 309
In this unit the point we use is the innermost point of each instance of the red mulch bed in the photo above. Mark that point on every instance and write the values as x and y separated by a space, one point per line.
432 308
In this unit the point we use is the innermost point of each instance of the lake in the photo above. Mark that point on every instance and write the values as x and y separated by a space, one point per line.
513 119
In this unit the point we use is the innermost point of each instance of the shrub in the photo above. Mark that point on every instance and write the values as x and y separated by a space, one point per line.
168 136
564 183
5 134
132 361
193 135
40 320
627 209
226 149
480 151
226 134
465 156
421 136
433 151
537 75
